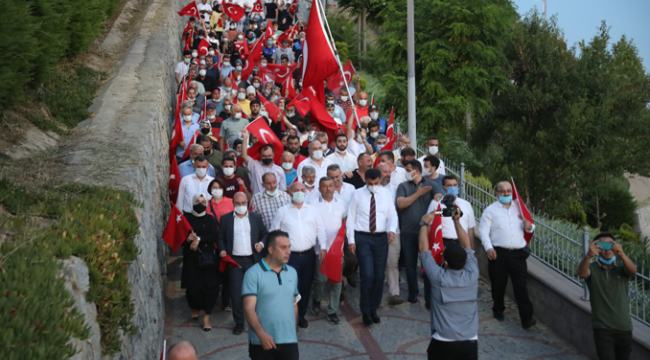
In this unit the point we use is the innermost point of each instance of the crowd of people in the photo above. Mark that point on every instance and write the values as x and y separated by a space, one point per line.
275 214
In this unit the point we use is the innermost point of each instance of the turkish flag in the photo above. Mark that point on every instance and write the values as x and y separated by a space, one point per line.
525 214
388 146
174 177
256 52
270 107
277 73
258 7
301 102
390 129
203 47
289 34
435 238
265 136
177 131
177 229
227 261
188 41
235 12
186 154
190 10
292 9
335 81
318 55
247 70
332 264
243 50
289 88
319 115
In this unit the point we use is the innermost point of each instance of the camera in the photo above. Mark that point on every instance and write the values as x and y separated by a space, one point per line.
451 209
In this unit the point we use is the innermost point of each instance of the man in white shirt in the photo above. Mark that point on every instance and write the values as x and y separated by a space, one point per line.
315 160
205 10
259 168
371 225
502 233
467 220
308 178
305 229
332 212
184 66
395 247
432 149
342 190
194 183
268 202
398 175
404 142
341 157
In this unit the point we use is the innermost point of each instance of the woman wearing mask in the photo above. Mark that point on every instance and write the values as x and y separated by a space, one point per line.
219 204
269 49
281 102
200 281
232 31
227 106
216 22
228 47
267 90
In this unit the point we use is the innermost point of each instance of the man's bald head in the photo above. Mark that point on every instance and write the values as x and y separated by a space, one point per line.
236 108
504 186
287 157
183 350
297 186
315 145
239 197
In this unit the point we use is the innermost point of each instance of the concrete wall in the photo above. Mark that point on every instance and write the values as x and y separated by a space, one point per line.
125 145
557 303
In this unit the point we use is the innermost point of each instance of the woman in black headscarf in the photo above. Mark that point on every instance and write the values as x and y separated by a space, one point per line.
201 281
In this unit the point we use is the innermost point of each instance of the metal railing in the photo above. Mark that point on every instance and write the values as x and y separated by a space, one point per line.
557 243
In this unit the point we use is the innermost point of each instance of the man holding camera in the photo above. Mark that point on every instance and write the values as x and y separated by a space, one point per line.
454 314
608 283
502 234
467 219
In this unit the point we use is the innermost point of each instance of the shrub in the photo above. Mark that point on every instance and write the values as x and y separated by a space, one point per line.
617 207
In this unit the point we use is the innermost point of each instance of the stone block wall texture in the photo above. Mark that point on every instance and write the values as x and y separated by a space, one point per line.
125 145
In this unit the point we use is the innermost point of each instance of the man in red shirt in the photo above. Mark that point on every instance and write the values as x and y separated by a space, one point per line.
362 106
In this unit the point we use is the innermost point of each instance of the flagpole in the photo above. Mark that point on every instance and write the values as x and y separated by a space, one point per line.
345 81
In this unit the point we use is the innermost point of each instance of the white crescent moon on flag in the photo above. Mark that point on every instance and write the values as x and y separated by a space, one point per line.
347 75
439 228
278 71
262 134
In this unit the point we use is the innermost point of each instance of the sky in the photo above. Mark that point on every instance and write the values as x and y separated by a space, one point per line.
580 19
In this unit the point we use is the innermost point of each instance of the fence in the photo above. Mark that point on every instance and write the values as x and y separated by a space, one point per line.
556 243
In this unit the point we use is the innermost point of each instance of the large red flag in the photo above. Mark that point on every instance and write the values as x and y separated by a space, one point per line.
227 261
265 136
388 146
524 211
319 115
242 47
435 238
258 7
247 70
235 12
186 154
289 34
177 131
289 88
203 47
188 40
269 30
270 107
190 10
256 52
335 81
390 129
174 177
277 73
292 9
301 102
317 54
177 229
332 264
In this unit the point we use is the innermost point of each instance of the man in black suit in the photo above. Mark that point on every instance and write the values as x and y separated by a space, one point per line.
242 235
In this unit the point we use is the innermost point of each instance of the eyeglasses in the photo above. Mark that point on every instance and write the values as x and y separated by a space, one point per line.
504 192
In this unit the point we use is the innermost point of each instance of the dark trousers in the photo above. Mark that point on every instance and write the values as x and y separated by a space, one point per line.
202 299
236 283
282 352
410 251
372 253
225 288
453 350
304 265
513 264
613 344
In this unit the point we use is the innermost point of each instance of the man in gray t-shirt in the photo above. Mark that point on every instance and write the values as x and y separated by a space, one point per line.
454 285
284 50
232 126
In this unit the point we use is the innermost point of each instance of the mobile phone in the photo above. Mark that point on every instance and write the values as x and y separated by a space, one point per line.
604 245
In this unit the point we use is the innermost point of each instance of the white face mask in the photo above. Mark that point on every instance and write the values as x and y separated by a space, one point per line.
426 171
298 197
187 61
374 115
211 117
325 148
241 210
433 150
263 64
309 185
256 85
344 98
330 101
211 53
241 96
363 102
373 188
202 72
374 134
359 138
272 193
227 89
410 176
195 54
237 115
287 166
200 172
228 171
340 151
290 115
227 107
187 118
238 68
240 37
264 113
217 193
318 154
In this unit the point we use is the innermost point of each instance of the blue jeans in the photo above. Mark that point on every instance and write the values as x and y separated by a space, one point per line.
304 265
372 253
410 250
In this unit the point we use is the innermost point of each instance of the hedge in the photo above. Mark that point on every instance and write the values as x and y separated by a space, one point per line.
35 35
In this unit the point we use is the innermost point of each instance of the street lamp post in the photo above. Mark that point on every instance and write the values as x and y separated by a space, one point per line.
410 41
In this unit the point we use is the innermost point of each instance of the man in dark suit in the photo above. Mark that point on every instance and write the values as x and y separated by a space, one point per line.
242 235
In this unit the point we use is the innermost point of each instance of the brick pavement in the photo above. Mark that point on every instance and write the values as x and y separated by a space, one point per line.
403 333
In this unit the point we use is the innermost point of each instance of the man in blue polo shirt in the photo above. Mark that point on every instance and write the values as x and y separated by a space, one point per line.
271 296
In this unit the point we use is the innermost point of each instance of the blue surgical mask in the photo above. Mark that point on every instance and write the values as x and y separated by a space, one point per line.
379 147
269 43
452 190
505 199
605 261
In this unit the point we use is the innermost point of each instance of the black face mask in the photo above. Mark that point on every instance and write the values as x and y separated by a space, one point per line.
205 131
267 161
199 208
207 152
302 128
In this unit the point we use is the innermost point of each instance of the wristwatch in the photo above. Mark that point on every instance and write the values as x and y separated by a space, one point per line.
422 223
198 238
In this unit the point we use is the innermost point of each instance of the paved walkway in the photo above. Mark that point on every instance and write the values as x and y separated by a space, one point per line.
403 333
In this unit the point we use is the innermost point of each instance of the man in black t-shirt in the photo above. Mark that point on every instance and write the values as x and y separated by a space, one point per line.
357 177
271 10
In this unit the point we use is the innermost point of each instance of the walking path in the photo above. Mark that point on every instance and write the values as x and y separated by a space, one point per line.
403 333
